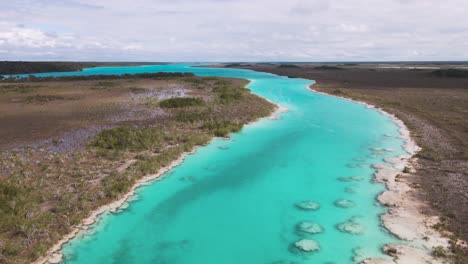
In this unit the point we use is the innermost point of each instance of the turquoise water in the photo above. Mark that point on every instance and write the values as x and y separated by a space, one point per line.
233 201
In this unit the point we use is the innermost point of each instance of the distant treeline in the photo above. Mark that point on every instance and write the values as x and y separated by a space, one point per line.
236 65
26 67
452 73
329 68
157 75
288 66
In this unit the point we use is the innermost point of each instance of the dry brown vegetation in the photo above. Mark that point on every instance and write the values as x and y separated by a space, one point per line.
68 147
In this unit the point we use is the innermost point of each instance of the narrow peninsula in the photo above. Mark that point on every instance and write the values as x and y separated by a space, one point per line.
71 145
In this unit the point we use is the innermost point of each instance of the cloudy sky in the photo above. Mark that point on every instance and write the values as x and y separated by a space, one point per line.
233 30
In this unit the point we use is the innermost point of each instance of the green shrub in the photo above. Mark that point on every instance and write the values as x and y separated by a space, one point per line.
9 194
116 138
229 94
221 132
181 102
338 92
439 252
229 97
11 249
116 184
192 115
128 138
223 128
138 139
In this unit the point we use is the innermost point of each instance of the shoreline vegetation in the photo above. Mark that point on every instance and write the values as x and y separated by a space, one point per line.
53 255
28 67
118 134
429 100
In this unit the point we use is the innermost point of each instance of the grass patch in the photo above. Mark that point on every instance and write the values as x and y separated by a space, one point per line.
439 252
181 102
192 115
227 94
129 138
223 128
338 92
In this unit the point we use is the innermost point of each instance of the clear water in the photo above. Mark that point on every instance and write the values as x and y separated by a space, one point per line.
239 204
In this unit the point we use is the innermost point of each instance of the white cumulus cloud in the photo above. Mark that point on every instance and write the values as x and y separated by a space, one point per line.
233 30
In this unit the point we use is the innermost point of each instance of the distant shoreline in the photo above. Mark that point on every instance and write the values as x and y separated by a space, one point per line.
29 67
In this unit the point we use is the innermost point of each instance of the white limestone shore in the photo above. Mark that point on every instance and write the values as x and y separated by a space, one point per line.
404 218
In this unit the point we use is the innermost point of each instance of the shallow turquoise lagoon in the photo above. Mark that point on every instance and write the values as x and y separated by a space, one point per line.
234 201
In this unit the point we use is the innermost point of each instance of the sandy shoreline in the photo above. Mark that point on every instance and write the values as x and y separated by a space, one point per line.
54 255
404 218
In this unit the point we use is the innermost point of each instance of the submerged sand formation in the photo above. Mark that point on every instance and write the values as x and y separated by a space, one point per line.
188 178
398 163
355 165
283 262
359 159
344 203
307 245
310 227
378 166
382 149
358 255
351 227
308 205
351 179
